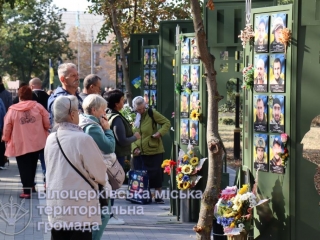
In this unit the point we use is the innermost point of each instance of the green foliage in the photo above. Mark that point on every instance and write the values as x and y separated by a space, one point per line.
30 37
138 16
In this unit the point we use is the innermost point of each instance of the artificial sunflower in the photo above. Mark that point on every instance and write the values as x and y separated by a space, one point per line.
179 177
180 184
165 163
185 158
186 185
194 161
194 115
190 152
186 169
244 189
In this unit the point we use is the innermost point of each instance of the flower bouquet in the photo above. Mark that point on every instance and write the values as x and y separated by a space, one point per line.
187 169
248 77
285 154
234 210
167 165
128 113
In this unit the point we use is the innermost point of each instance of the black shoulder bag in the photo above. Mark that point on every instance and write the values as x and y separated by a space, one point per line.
102 199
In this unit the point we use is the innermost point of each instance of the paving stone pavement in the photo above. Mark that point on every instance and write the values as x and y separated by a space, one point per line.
155 222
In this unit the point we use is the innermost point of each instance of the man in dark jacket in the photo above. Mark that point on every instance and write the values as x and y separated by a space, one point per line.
69 78
5 96
91 85
38 94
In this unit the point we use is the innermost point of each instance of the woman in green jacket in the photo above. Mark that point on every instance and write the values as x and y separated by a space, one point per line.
148 150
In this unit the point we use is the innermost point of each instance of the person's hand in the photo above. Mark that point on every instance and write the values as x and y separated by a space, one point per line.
156 135
137 135
136 151
104 123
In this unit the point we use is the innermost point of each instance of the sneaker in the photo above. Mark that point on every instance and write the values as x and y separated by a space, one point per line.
23 195
115 221
159 201
3 168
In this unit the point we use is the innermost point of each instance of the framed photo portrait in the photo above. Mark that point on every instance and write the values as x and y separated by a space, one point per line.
261 26
146 57
153 79
154 58
194 101
184 131
153 98
146 96
185 75
260 152
185 51
277 72
194 133
194 52
260 82
184 106
276 147
146 79
260 116
195 75
278 22
277 113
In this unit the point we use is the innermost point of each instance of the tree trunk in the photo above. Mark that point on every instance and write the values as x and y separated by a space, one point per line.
215 150
122 52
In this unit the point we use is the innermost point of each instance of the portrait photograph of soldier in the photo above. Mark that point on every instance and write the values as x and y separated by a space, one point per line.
153 79
185 51
194 52
153 61
195 75
146 58
260 82
277 114
278 22
277 72
146 96
260 116
153 98
194 101
146 79
184 107
184 131
185 77
261 42
277 147
194 133
260 152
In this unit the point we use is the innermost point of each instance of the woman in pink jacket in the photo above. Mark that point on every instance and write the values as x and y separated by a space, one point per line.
25 131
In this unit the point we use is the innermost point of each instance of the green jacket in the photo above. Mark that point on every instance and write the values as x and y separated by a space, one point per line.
147 144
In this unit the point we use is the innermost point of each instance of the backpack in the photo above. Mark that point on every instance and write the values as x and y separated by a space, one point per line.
150 113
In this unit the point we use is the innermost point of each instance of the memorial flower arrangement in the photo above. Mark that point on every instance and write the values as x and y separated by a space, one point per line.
168 165
128 113
234 209
187 169
247 35
285 38
248 77
285 154
194 115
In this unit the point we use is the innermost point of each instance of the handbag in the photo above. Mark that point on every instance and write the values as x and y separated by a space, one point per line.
103 200
115 171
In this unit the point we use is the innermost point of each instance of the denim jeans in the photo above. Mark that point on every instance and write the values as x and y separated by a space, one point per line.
97 234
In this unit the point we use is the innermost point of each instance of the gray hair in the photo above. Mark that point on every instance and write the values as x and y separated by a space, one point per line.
137 101
90 79
62 107
63 69
93 101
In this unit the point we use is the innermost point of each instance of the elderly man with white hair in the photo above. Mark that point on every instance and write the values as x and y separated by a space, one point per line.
69 78
148 151
74 167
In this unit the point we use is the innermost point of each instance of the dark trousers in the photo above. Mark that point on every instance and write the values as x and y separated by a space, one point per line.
70 234
27 165
2 150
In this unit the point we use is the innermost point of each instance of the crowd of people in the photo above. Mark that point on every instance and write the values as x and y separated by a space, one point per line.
71 132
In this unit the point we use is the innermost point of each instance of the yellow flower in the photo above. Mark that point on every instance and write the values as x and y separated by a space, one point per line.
179 177
232 225
180 185
244 189
186 185
190 152
194 115
165 163
194 161
187 169
185 157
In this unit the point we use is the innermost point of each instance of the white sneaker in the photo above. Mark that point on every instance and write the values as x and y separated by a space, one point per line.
115 221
